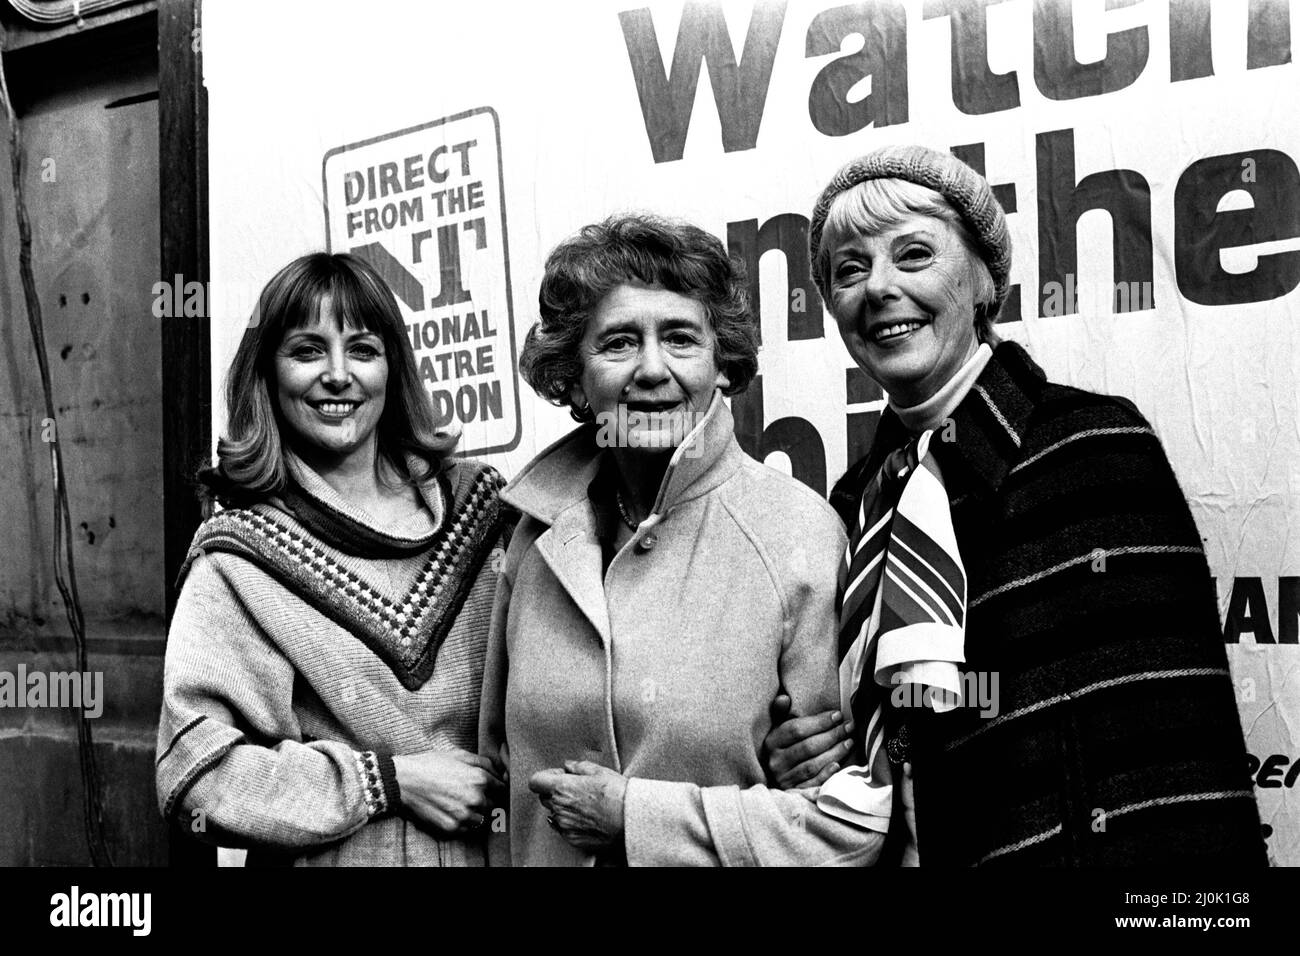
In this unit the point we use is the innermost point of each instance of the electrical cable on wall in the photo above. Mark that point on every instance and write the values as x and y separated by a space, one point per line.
65 574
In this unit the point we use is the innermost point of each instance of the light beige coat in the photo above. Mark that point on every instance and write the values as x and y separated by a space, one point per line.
664 670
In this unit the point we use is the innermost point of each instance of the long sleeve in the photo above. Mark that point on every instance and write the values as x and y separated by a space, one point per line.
232 764
492 704
681 824
1155 766
1113 727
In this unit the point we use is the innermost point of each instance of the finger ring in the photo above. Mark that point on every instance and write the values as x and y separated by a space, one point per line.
551 821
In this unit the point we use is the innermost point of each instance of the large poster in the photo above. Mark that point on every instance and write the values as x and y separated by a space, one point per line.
426 207
1145 152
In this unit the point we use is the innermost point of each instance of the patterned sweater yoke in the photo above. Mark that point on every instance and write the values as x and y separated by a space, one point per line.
311 645
404 630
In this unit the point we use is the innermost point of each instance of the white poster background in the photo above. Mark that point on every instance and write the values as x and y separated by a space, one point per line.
288 81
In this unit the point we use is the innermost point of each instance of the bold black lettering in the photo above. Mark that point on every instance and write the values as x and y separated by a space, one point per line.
1189 40
860 388
1247 611
1268 34
444 410
472 330
404 285
1292 774
1200 231
787 234
414 178
1061 77
740 90
794 436
451 292
976 89
437 175
1288 610
388 182
466 403
1272 768
489 400
1005 193
1121 192
354 187
883 27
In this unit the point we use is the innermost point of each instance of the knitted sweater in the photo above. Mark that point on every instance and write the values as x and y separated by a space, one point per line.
1116 739
294 671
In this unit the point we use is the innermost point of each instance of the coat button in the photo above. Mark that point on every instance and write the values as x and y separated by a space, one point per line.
648 542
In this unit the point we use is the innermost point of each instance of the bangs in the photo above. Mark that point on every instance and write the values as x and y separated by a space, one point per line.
351 307
877 204
358 301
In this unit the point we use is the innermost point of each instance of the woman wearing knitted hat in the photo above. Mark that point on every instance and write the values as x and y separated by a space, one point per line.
1026 616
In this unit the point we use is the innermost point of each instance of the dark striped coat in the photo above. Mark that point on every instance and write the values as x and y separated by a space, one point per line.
1116 739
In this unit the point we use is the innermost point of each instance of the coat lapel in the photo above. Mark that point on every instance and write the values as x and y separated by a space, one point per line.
572 551
992 419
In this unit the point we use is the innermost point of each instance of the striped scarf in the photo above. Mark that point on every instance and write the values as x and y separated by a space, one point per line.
902 610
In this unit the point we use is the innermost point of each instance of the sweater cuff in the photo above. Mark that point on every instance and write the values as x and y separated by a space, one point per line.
388 777
378 783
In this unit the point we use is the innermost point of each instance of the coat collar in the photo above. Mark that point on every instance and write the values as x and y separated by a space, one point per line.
991 422
988 427
557 479
553 489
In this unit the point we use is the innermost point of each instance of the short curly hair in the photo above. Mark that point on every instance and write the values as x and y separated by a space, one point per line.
636 248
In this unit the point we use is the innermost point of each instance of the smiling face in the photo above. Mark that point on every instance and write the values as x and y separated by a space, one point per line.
330 387
904 300
648 360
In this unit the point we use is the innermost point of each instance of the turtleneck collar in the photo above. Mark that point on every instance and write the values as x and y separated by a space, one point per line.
352 529
932 412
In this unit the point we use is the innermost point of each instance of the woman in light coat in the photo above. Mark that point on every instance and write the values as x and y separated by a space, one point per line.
662 587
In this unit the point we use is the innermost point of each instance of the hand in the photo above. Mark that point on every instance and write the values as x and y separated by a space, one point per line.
585 803
450 789
501 762
911 855
805 751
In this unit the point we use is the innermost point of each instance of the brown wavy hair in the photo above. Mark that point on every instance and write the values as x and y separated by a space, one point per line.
636 248
250 456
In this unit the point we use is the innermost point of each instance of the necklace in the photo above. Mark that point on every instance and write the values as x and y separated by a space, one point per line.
623 512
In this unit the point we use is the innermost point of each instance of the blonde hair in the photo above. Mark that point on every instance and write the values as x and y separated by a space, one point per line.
877 204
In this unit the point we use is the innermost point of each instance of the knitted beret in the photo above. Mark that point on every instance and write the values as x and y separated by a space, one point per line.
965 190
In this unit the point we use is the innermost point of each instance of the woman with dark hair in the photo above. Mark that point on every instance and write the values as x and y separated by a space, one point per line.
1027 619
324 662
662 586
